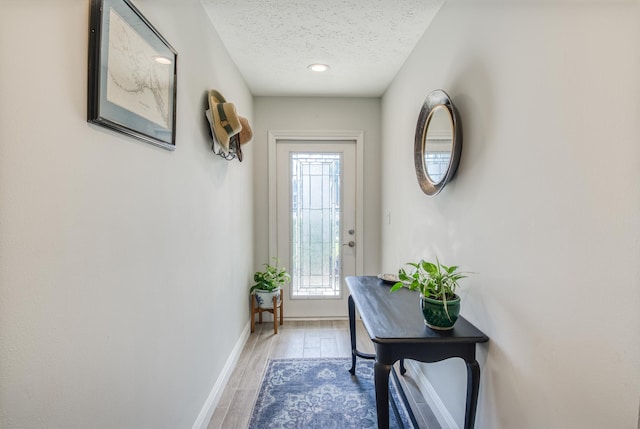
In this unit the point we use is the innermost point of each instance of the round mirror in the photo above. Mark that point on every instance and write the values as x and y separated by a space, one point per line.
438 143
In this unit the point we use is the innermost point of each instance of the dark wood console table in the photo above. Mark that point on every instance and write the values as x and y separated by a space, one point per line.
395 324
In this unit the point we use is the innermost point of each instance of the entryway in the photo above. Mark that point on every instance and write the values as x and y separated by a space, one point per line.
314 225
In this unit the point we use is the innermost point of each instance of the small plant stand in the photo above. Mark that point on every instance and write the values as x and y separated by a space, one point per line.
276 305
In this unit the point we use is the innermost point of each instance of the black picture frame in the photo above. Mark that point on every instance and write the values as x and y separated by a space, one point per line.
132 74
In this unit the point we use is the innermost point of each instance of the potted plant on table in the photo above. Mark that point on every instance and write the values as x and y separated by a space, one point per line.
437 285
268 284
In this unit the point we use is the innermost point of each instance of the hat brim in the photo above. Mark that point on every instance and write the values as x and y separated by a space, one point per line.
217 96
246 134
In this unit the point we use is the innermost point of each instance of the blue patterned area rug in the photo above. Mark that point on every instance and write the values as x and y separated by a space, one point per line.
321 393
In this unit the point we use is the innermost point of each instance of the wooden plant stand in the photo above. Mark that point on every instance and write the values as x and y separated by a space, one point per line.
255 309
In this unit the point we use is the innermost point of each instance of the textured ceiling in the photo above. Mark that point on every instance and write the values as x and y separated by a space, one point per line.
365 42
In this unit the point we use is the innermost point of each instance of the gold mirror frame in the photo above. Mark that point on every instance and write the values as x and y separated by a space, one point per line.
436 101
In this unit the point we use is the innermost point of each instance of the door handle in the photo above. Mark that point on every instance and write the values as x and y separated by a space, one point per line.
350 244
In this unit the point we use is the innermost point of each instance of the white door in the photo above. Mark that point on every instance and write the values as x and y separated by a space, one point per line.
316 224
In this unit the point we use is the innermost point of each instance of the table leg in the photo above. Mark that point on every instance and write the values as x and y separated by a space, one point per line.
281 308
473 386
275 315
352 332
381 379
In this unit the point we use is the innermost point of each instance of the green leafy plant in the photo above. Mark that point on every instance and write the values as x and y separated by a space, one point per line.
433 280
271 279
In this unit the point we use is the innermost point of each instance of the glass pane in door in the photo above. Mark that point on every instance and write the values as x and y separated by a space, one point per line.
315 225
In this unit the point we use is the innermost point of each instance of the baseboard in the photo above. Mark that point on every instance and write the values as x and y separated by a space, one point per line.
216 392
431 396
315 319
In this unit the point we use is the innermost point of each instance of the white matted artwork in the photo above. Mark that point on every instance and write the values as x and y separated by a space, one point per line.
132 74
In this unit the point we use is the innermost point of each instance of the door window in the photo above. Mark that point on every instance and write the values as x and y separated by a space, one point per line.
315 224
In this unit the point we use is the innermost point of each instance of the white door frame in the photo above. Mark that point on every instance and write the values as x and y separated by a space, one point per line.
328 136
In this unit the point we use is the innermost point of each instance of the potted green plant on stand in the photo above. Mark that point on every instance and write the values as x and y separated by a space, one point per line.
437 285
268 284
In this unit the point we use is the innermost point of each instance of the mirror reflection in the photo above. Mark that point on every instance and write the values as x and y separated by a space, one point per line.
438 143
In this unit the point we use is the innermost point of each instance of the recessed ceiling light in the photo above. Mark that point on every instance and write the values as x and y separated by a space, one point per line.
318 67
162 60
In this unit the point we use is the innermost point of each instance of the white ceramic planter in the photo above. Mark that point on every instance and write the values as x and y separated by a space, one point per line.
265 298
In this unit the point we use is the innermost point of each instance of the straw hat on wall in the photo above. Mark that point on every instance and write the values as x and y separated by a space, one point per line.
225 121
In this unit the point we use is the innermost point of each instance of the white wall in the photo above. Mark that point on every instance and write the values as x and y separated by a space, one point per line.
544 208
123 267
320 114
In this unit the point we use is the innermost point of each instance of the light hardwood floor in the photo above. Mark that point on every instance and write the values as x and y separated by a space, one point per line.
296 339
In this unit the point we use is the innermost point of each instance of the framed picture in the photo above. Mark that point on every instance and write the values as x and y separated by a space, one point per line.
132 74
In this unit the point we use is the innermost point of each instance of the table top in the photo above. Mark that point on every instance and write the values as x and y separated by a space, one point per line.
393 317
